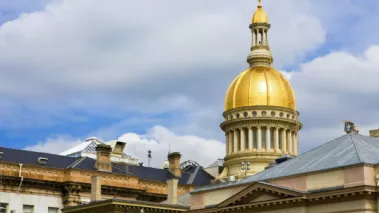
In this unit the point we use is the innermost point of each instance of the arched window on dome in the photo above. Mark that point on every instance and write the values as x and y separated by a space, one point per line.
264 137
255 138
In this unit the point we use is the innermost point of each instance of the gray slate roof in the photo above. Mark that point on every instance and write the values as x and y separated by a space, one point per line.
200 178
347 150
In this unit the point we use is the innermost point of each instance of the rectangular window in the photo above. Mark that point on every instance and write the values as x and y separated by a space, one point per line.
263 131
28 209
272 137
280 139
53 210
238 140
3 207
255 138
247 139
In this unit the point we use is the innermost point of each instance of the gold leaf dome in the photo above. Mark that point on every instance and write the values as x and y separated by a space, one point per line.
259 16
260 86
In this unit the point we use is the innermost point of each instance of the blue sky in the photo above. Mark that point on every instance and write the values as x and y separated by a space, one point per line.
152 73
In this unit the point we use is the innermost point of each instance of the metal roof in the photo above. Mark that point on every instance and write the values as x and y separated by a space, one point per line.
349 149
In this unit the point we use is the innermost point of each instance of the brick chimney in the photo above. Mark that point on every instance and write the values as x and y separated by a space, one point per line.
103 158
374 133
172 183
95 188
174 164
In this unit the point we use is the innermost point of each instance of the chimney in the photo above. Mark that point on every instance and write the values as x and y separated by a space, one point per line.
103 158
374 133
172 184
174 164
95 188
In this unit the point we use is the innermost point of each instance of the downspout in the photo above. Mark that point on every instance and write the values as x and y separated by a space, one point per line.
22 178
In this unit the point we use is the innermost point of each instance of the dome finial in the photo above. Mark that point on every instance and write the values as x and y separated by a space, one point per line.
259 3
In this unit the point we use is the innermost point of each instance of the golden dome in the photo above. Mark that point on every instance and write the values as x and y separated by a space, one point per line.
260 86
259 16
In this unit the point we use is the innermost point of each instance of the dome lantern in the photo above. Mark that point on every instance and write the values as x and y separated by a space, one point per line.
260 119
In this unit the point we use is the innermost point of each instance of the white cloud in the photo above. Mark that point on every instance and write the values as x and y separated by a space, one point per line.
54 145
158 139
138 55
336 87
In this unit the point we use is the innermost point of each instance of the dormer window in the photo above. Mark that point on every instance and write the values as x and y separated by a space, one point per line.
42 160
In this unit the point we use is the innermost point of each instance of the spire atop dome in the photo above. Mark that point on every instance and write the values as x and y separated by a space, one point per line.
260 15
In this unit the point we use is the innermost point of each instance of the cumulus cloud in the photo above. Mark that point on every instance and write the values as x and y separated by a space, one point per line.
139 55
54 145
336 87
158 139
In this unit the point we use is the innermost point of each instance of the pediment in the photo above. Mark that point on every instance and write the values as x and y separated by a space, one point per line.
259 192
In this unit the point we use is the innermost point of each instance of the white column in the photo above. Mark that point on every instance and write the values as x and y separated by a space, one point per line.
230 135
290 144
276 140
268 138
235 140
295 143
259 138
242 142
227 143
250 138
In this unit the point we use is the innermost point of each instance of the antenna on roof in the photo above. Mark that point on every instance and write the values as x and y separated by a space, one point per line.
169 146
149 158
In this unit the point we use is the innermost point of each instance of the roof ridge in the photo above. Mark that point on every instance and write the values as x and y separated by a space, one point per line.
193 175
77 162
355 147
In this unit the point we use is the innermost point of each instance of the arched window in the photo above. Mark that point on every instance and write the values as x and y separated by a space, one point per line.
272 137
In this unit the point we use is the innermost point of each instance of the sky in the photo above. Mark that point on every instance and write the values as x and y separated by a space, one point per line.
155 74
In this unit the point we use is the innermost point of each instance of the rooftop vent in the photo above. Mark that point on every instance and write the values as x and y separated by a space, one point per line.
283 158
92 139
374 133
42 160
1 155
350 127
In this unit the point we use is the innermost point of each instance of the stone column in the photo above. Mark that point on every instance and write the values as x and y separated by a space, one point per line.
242 137
290 143
296 143
235 140
284 137
230 142
268 138
276 140
259 138
250 138
227 143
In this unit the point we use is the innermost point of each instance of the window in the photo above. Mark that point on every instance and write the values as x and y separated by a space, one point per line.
246 139
280 139
263 131
53 210
255 138
28 209
272 137
238 140
3 207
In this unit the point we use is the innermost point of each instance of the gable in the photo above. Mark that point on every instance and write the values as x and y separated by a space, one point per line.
264 197
259 192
